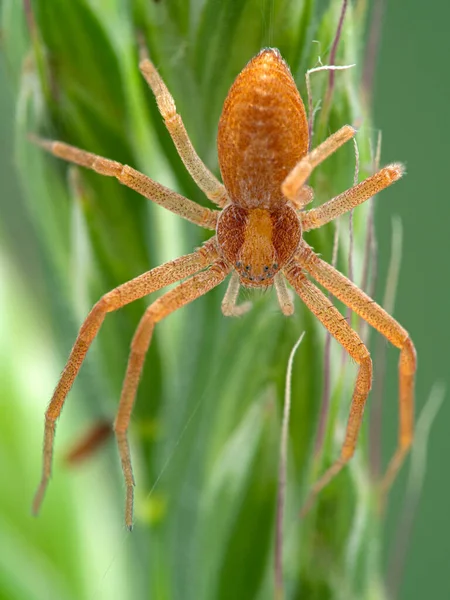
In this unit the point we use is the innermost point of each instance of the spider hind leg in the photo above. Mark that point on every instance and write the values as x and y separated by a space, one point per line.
336 324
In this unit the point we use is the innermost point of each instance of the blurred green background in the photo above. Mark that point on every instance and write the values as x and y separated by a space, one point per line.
78 547
411 98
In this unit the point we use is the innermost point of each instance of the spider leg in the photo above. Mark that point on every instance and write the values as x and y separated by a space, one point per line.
336 324
124 294
204 217
206 181
348 293
295 180
230 308
285 299
316 217
303 198
186 292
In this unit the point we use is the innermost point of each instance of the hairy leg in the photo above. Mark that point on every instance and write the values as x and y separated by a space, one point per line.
230 308
316 217
336 324
292 185
124 294
303 198
348 293
206 181
186 292
189 210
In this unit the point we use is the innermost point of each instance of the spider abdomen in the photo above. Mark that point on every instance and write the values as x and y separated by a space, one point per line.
262 132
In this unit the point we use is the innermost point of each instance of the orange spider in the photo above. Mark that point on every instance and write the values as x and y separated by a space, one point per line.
264 160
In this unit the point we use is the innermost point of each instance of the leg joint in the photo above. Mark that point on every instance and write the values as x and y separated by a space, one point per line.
408 357
104 166
108 303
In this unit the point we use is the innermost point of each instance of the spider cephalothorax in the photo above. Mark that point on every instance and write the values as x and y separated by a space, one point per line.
258 242
264 161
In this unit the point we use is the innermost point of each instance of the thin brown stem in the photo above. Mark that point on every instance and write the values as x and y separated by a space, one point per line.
29 17
370 60
334 47
92 440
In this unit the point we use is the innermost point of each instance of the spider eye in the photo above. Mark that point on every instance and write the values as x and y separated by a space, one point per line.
275 266
247 267
266 268
238 264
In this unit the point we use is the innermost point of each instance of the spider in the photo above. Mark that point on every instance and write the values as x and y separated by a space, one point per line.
264 161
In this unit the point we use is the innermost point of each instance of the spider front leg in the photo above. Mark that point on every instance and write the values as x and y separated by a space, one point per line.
348 293
186 292
206 181
189 210
336 324
124 294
